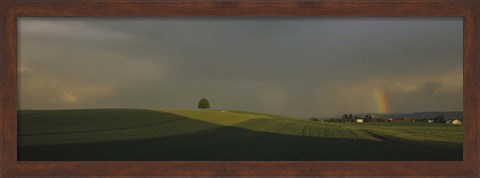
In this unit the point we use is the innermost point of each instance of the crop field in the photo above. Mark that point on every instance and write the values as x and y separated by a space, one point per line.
223 135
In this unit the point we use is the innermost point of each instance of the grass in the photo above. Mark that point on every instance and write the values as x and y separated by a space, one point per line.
221 135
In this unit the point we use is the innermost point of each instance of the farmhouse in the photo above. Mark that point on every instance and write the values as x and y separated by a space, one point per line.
457 122
359 120
399 120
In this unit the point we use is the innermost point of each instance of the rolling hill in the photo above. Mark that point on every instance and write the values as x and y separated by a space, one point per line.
216 135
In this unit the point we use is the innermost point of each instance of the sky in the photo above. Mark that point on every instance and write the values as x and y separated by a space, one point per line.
300 67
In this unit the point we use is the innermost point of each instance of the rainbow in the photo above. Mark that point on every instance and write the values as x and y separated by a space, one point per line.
382 102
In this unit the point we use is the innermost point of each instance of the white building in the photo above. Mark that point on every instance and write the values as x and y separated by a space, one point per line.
457 122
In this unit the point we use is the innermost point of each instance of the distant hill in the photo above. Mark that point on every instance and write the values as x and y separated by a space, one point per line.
448 115
419 115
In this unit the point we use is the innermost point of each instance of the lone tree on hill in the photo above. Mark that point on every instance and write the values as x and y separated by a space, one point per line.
203 104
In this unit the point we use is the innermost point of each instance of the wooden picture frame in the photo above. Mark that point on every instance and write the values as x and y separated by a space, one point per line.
10 10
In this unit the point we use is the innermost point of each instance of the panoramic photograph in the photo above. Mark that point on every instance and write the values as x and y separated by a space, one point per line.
240 89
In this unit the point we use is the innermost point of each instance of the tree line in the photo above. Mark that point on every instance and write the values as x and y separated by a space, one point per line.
353 118
369 118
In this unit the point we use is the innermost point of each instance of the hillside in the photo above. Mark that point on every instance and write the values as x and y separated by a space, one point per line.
159 134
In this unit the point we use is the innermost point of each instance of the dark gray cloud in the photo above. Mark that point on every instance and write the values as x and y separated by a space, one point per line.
293 66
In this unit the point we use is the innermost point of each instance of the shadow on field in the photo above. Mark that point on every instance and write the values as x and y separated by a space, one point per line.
97 121
236 144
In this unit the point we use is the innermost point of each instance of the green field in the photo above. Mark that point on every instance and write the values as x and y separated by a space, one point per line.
210 135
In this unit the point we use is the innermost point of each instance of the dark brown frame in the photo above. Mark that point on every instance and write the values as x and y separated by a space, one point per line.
10 10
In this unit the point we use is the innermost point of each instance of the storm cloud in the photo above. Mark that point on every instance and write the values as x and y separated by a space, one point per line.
301 67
